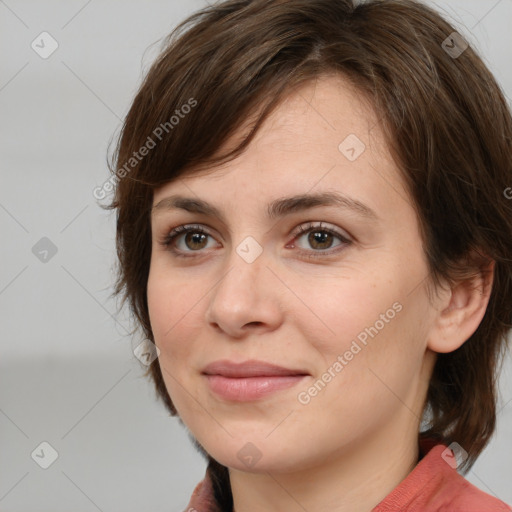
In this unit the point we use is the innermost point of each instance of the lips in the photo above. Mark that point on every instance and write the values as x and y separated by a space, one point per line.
250 368
251 380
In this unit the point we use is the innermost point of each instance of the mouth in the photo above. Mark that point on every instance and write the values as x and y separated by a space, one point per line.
251 380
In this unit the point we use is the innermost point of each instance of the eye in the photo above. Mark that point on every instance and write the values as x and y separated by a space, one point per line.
320 238
194 239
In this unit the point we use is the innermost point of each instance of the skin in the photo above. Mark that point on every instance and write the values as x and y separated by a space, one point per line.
356 440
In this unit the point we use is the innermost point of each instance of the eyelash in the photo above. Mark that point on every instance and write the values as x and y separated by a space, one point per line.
169 239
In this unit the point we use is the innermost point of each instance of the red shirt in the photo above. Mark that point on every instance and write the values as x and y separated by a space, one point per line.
432 486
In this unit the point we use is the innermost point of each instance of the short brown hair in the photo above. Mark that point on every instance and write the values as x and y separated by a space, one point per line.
446 120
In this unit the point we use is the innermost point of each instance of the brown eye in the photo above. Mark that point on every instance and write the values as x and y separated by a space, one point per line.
317 241
187 239
195 241
320 239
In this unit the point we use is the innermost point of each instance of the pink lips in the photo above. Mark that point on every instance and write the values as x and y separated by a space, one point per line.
250 380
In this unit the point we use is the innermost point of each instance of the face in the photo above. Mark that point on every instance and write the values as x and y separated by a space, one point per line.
331 289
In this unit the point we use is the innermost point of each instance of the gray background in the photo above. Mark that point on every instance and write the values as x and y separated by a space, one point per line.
67 372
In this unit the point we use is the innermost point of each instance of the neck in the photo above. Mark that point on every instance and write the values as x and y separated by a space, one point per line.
355 480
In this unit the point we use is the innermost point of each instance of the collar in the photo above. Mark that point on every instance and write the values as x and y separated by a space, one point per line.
434 485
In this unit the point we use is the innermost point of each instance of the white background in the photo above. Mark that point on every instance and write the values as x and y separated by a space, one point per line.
67 372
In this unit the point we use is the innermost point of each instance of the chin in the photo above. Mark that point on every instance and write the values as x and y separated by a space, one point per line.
255 454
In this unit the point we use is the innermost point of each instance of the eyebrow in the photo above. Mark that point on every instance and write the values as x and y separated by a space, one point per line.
276 209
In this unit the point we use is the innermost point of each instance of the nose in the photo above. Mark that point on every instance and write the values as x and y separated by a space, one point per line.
247 297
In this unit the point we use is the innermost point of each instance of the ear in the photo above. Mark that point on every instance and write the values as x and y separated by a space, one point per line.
461 310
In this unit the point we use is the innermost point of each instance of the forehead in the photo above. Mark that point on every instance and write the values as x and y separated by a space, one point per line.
320 112
323 136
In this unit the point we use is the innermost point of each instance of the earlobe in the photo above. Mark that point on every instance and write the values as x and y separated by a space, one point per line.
462 311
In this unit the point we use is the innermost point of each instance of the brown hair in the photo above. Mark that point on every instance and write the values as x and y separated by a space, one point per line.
445 118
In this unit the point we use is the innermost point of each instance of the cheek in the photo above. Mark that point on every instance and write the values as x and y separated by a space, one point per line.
169 303
382 352
342 310
160 306
373 323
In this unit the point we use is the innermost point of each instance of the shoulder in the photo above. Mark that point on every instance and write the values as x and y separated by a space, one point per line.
434 485
457 494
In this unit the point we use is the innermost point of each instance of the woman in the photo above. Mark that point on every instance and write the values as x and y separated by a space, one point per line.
313 232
